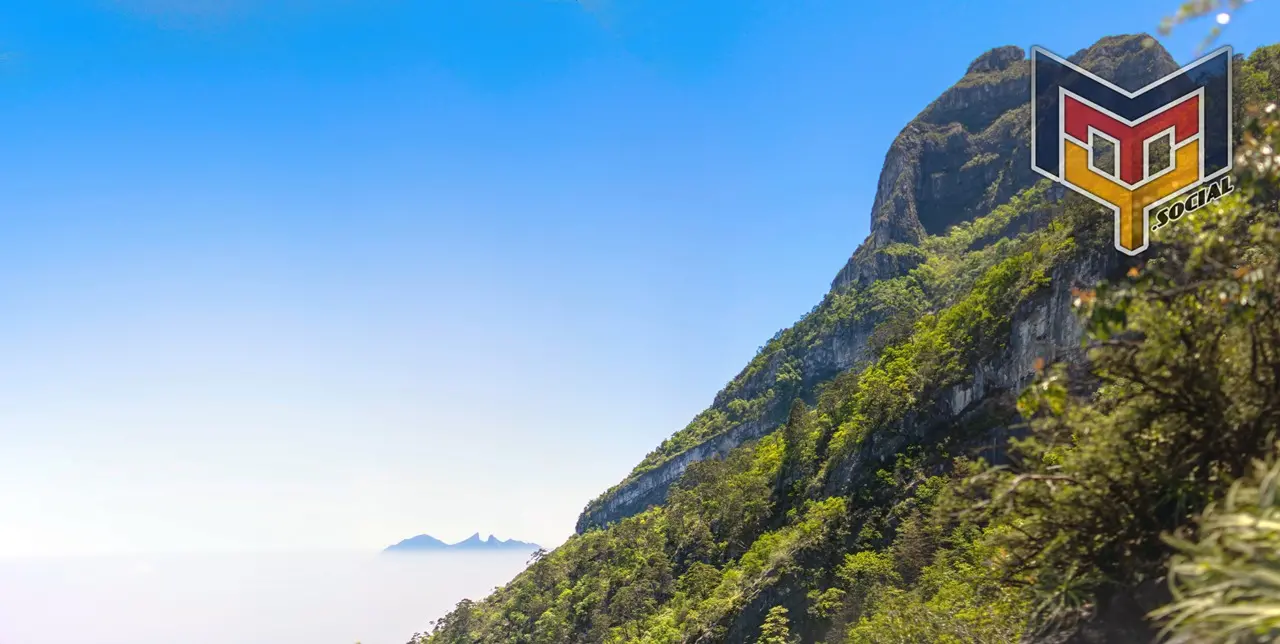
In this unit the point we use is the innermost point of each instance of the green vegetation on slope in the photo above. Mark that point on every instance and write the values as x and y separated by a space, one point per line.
894 305
863 519
733 529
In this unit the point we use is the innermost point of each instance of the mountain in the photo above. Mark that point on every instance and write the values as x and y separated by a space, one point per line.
963 155
428 543
836 489
422 542
474 542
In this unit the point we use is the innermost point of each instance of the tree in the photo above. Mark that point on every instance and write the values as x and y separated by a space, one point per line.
776 628
796 449
1224 581
454 627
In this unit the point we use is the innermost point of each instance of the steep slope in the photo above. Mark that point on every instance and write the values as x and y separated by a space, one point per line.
962 156
840 526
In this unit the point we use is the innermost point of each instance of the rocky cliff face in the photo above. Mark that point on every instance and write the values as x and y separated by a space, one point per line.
1044 328
964 155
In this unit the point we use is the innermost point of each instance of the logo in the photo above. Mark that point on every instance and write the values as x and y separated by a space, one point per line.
1138 153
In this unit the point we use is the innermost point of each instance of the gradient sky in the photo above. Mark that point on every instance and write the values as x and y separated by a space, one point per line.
321 274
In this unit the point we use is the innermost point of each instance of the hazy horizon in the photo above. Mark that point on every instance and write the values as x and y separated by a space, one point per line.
260 598
182 550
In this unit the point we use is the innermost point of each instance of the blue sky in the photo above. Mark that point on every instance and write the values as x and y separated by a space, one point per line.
312 275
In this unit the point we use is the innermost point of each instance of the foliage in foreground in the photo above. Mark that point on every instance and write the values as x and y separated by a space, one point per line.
1226 583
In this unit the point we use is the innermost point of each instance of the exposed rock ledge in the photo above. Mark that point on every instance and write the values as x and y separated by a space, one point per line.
838 351
651 487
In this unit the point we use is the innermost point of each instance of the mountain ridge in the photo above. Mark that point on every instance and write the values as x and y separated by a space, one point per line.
428 543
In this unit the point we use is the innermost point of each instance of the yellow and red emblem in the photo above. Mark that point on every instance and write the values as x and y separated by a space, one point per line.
1164 140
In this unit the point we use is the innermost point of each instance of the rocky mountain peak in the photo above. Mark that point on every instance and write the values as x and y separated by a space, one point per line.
998 59
969 150
1130 61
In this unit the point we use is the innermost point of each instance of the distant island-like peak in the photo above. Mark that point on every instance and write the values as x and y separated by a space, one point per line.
428 543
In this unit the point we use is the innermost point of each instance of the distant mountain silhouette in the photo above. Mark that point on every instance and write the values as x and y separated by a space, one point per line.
428 543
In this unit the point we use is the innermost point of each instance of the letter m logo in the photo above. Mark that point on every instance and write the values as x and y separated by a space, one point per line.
1131 151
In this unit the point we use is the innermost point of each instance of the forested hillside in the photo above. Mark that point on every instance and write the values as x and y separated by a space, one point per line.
1026 417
